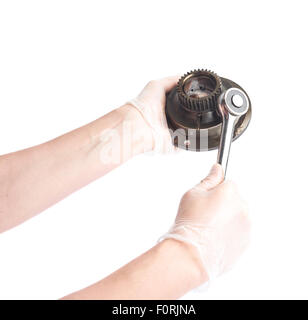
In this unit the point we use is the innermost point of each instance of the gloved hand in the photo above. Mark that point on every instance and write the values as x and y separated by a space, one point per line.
213 218
151 104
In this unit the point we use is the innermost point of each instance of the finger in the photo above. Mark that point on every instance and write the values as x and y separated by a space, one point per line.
213 179
169 82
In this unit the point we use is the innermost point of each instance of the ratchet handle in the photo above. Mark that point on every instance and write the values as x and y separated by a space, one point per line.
232 104
225 142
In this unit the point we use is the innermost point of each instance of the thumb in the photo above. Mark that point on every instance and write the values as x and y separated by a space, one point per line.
213 179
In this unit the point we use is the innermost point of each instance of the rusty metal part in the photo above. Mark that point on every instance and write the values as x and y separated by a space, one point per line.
192 111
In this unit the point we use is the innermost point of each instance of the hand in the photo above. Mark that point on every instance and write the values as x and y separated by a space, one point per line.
151 104
213 218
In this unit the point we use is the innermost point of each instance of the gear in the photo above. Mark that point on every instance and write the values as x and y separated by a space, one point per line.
199 90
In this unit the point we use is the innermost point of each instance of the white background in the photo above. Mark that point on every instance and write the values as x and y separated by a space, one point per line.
66 63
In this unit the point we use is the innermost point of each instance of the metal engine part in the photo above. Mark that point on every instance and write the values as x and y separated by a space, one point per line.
193 114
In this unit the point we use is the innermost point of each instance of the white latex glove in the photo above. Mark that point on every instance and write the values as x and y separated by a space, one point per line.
213 218
151 104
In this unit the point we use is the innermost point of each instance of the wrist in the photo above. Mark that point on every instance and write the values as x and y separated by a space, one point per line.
141 133
118 136
187 258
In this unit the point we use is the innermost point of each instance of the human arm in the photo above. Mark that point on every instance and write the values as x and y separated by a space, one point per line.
33 179
175 266
166 271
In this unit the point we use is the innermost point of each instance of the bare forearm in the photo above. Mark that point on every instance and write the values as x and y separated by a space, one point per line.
167 271
33 179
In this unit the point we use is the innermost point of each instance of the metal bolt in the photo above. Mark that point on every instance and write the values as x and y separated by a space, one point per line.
237 100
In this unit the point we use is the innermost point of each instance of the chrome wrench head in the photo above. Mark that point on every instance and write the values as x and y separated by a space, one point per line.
232 104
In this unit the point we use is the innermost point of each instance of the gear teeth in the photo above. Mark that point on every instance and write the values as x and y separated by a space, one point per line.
208 103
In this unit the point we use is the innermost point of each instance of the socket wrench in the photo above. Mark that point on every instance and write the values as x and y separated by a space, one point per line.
232 104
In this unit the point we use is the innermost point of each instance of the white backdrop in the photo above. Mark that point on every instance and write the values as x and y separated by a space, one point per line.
66 63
